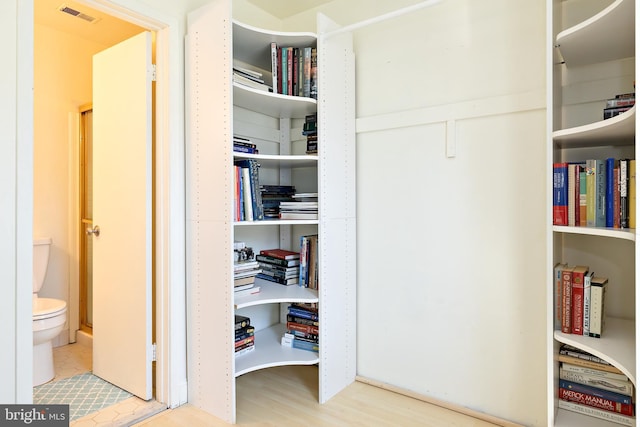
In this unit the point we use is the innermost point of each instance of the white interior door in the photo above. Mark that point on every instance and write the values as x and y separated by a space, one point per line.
122 189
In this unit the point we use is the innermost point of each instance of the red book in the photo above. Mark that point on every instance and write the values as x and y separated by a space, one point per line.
280 253
567 277
595 401
577 298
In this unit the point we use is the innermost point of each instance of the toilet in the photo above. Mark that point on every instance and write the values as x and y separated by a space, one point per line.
49 316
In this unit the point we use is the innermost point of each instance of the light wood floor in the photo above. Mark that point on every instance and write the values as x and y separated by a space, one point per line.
288 396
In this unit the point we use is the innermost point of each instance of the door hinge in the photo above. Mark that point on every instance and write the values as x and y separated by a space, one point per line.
154 348
154 74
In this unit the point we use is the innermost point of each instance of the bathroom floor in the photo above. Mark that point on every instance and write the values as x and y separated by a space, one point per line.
75 359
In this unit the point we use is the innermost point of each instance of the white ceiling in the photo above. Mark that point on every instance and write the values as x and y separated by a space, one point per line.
106 29
285 8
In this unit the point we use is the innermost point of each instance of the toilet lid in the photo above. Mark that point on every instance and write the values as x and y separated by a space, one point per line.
47 307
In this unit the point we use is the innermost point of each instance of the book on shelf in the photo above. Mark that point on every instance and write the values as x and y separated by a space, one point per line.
560 194
567 277
290 340
571 191
588 364
292 69
281 274
601 193
619 386
586 303
279 270
245 332
243 281
279 253
583 370
241 322
632 193
253 290
569 350
298 215
277 279
277 261
577 298
301 327
244 341
595 402
309 261
590 171
249 82
614 111
557 294
302 320
624 193
582 197
244 286
610 165
244 350
597 306
251 195
597 413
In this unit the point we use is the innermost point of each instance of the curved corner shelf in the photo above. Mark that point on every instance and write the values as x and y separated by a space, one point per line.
273 104
275 293
274 160
605 36
616 233
617 345
252 45
269 353
618 130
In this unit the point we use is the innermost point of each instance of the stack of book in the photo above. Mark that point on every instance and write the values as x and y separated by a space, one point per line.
245 338
309 261
301 206
579 300
247 196
272 195
279 266
619 104
294 70
244 145
595 193
250 78
310 130
591 386
245 269
302 327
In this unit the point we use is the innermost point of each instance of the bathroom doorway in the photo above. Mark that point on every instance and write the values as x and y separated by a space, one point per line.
85 275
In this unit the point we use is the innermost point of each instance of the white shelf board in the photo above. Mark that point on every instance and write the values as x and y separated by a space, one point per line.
606 36
618 130
269 352
268 222
273 104
617 345
275 293
253 45
566 418
616 233
277 161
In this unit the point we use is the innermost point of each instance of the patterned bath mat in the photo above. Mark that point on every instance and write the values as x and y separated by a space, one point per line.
84 393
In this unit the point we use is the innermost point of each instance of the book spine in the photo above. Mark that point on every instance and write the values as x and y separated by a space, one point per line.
560 194
301 320
566 300
245 350
582 355
306 329
276 279
632 193
597 413
593 372
597 307
571 194
256 198
583 197
313 91
622 387
591 193
586 302
624 193
283 74
601 193
616 195
609 195
596 392
302 313
302 280
577 295
275 261
306 85
557 295
588 363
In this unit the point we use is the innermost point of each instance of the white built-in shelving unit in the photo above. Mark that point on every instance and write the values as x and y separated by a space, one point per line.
218 109
592 58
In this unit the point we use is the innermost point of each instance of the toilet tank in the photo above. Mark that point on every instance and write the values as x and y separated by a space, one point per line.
41 248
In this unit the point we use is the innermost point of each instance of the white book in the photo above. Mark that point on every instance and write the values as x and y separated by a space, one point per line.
596 412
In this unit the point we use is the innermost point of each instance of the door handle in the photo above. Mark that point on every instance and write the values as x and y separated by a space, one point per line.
95 231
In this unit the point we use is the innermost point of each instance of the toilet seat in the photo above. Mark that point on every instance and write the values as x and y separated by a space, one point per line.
45 308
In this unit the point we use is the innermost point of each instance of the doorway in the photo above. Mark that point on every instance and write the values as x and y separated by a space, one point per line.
85 270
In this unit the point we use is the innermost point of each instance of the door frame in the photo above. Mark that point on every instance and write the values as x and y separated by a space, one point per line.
169 249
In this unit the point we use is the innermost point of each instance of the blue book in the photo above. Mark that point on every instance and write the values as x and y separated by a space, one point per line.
601 193
610 193
598 392
560 194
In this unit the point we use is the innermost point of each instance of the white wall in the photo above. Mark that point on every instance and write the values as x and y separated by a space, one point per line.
451 250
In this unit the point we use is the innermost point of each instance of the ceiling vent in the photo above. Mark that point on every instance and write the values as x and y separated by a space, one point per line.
77 14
